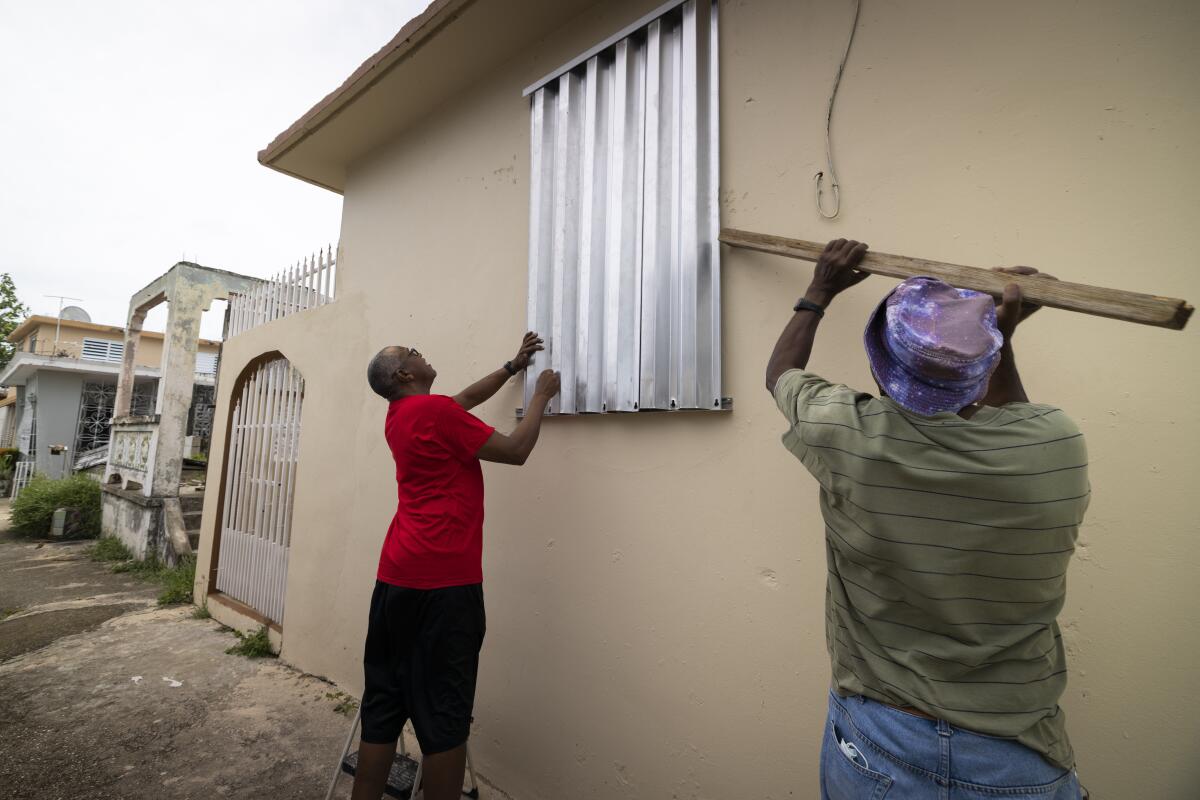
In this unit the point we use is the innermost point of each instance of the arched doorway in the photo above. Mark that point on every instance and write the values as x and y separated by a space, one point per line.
259 485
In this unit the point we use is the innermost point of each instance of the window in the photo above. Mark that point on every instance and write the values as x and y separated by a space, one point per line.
95 416
32 344
200 414
206 363
27 436
624 261
103 350
96 404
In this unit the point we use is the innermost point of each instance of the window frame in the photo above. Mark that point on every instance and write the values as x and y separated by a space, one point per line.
624 253
110 357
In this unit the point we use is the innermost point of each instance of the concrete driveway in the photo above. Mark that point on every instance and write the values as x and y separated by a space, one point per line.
105 695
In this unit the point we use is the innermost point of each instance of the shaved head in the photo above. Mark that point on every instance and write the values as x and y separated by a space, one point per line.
381 372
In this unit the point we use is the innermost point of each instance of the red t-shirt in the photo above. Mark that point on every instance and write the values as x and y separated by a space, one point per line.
436 538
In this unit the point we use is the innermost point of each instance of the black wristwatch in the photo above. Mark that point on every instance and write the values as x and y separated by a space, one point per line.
510 368
804 304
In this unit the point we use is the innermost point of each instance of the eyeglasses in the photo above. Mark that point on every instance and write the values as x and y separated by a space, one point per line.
404 361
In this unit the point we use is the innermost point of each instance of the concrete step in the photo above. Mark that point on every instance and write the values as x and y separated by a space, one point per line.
191 502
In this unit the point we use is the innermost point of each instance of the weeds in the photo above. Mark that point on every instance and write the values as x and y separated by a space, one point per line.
254 645
201 612
177 581
146 569
109 548
344 705
5 613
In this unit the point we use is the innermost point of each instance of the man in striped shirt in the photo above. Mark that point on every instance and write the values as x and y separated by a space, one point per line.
951 507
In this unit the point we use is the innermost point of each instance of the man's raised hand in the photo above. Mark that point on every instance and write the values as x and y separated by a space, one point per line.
530 344
836 270
1011 309
548 384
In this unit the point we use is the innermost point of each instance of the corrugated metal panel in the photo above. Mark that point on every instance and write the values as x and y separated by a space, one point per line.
624 265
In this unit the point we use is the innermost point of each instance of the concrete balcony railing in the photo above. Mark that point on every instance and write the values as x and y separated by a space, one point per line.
131 453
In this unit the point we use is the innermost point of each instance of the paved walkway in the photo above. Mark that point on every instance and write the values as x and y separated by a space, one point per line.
105 695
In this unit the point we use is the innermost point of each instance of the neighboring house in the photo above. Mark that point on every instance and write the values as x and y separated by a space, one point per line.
655 580
8 417
63 378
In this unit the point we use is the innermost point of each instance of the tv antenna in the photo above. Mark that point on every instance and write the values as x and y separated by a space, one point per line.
58 325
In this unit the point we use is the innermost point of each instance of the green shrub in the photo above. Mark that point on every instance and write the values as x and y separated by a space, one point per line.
33 510
255 645
202 612
8 459
109 548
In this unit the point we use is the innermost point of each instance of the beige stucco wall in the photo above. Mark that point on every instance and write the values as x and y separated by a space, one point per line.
655 583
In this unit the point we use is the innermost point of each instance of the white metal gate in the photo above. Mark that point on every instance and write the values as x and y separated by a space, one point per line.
21 478
260 478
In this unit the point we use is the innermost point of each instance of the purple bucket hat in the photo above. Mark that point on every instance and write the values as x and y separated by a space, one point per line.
933 347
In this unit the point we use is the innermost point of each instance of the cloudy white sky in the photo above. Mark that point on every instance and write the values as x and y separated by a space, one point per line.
129 130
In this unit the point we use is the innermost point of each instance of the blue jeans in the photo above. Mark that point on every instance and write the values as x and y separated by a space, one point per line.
871 751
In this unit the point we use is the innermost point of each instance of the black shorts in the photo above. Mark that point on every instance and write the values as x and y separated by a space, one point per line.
421 660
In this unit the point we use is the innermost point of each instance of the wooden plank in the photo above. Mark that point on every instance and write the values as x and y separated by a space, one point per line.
1145 309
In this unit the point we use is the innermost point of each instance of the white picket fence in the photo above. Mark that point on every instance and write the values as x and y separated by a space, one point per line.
306 285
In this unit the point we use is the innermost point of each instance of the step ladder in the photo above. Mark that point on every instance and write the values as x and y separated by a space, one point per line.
405 778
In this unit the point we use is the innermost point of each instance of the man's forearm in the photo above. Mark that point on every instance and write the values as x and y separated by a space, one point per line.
483 389
1005 385
525 435
795 344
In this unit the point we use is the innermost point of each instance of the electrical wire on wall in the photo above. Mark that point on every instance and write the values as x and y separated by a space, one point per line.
819 177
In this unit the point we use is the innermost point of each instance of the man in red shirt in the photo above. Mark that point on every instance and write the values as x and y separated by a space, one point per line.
427 621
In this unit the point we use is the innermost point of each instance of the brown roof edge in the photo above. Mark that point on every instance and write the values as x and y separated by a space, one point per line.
415 33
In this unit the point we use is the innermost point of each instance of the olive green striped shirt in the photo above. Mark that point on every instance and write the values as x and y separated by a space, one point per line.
947 543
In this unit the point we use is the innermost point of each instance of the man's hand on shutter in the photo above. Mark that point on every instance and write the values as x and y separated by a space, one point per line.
530 344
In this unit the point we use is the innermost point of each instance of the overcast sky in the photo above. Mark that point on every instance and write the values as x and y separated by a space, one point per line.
129 130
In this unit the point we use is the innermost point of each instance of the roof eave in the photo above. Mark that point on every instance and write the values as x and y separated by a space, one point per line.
411 37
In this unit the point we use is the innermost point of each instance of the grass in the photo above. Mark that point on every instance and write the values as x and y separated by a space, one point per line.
254 645
109 548
201 612
146 569
344 704
177 581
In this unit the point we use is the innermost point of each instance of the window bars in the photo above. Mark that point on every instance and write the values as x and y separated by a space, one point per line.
96 404
306 285
624 262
